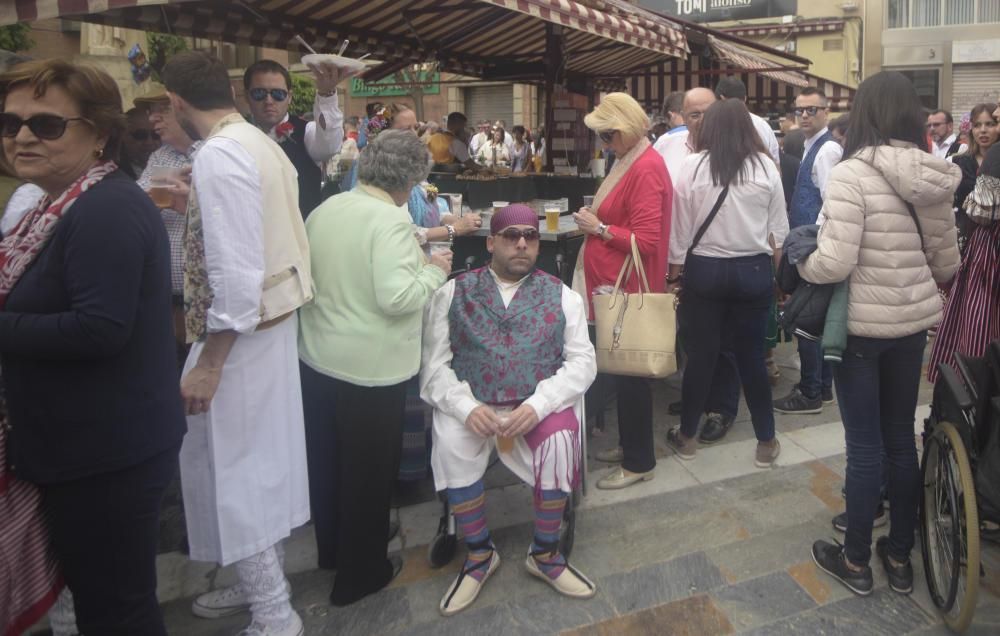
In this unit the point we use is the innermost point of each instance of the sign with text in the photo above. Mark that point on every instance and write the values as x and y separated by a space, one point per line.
397 85
719 10
965 51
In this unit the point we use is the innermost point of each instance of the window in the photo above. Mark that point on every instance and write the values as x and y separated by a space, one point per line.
989 11
899 14
833 45
960 12
926 81
926 13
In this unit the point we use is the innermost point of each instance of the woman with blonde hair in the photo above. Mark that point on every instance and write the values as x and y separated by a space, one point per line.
633 200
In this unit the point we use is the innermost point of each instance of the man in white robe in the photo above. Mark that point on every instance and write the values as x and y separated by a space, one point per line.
243 462
506 361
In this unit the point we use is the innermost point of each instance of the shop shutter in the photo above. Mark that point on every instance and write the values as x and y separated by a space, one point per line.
973 84
492 103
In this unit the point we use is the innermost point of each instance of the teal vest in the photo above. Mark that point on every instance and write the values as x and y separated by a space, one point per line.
503 353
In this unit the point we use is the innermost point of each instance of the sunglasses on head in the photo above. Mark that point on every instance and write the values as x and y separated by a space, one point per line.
260 94
513 234
42 126
143 135
607 136
809 110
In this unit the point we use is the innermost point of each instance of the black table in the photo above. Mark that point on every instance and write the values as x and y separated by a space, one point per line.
480 195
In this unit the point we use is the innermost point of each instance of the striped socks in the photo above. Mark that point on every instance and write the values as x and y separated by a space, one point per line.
469 507
549 508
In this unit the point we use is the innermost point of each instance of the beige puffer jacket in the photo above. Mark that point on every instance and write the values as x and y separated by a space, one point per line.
870 237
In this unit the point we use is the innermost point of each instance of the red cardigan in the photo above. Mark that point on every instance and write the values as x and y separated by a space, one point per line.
639 204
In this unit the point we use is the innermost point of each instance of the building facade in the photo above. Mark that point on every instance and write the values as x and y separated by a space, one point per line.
950 49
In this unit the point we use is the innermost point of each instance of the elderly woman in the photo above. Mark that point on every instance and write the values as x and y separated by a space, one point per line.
85 297
633 200
360 344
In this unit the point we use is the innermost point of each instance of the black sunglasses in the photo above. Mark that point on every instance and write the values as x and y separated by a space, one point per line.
260 94
143 135
513 234
42 126
810 110
607 136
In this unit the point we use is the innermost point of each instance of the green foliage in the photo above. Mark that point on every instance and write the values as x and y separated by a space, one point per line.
14 37
160 47
303 94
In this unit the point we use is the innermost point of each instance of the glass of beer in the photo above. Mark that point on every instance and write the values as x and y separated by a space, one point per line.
161 185
504 444
552 219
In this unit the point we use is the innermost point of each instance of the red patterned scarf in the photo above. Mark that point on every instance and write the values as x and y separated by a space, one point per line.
29 574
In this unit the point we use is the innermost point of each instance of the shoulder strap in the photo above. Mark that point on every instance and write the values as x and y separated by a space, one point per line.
916 219
708 221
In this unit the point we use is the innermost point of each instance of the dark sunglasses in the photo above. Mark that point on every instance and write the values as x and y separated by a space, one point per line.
607 136
260 94
513 234
42 126
810 110
143 135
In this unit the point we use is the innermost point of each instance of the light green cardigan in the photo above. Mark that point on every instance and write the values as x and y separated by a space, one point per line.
372 282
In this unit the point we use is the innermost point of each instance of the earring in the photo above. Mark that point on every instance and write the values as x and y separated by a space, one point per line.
99 153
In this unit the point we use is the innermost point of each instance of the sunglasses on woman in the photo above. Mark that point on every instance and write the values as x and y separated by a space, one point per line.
607 136
260 94
42 126
513 234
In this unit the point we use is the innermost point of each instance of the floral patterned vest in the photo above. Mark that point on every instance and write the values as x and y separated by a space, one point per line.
503 353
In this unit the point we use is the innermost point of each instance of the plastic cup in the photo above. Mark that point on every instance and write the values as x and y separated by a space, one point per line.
504 444
161 185
439 247
552 219
499 205
588 201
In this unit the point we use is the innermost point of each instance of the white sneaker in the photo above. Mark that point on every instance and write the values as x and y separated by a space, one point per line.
225 601
294 627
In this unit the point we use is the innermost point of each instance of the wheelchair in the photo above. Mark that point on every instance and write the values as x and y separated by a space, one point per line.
957 510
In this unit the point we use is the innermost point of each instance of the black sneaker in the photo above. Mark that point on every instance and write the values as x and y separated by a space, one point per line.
715 428
881 518
828 395
900 576
830 558
796 403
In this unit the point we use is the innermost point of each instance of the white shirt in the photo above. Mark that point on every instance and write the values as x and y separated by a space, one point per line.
826 159
766 134
674 148
477 141
322 143
24 200
940 150
440 387
227 183
752 211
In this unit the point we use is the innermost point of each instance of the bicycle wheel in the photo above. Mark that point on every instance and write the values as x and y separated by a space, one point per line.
949 527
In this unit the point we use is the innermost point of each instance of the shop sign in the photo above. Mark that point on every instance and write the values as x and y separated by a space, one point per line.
967 51
720 10
397 85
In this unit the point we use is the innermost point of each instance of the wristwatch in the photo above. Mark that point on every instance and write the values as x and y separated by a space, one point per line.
451 233
602 228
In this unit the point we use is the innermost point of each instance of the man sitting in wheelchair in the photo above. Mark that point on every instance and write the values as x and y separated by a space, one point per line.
506 362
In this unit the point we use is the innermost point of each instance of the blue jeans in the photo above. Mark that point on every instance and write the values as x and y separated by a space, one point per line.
877 385
816 373
724 308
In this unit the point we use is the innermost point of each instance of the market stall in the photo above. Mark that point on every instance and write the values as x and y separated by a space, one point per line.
479 193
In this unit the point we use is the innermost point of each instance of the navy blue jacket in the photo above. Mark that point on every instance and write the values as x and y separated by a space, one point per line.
86 342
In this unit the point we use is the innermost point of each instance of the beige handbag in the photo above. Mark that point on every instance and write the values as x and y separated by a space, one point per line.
636 333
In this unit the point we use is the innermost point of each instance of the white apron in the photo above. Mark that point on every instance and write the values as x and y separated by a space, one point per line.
243 463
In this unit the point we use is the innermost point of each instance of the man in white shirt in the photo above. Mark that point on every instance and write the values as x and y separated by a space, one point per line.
480 138
733 88
308 144
673 112
506 359
941 126
246 270
821 154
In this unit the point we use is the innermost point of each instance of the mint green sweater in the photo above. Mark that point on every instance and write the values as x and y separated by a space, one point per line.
372 282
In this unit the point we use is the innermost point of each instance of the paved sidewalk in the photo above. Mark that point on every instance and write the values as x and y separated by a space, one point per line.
710 546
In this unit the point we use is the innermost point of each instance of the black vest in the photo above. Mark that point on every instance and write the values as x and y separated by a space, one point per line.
310 177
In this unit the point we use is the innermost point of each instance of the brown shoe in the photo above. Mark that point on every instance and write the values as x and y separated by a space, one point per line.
767 452
686 447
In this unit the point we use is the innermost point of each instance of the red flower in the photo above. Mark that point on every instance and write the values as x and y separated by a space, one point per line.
283 131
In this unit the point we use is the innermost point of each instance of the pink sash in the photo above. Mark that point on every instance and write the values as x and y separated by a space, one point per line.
564 420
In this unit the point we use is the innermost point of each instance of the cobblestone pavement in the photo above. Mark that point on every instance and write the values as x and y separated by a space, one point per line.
710 546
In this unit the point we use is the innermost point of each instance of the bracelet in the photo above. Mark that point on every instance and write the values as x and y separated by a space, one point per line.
451 233
601 229
676 279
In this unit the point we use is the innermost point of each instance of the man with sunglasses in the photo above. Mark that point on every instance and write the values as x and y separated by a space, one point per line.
307 144
506 358
139 142
822 153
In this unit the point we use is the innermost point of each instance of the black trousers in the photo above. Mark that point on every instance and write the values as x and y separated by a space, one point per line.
354 440
104 530
635 423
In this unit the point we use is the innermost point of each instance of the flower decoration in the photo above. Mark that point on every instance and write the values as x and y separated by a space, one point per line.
283 131
379 122
141 70
966 124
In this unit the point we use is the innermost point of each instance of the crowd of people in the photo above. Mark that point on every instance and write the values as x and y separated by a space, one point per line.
176 289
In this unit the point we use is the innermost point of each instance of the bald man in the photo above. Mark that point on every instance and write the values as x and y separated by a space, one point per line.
676 147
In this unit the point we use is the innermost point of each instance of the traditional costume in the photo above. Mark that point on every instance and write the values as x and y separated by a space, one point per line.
502 344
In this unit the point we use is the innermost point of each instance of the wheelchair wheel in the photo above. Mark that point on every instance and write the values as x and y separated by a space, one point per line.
949 527
567 532
445 543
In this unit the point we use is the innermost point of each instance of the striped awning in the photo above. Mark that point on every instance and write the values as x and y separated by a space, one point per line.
742 58
822 25
490 39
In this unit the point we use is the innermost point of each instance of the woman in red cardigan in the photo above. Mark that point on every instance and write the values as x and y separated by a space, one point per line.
634 199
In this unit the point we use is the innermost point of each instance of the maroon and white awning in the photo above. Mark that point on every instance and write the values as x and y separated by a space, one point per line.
806 27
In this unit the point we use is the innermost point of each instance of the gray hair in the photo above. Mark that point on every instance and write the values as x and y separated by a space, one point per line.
394 161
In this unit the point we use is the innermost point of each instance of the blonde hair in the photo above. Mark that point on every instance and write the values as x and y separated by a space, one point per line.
618 111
